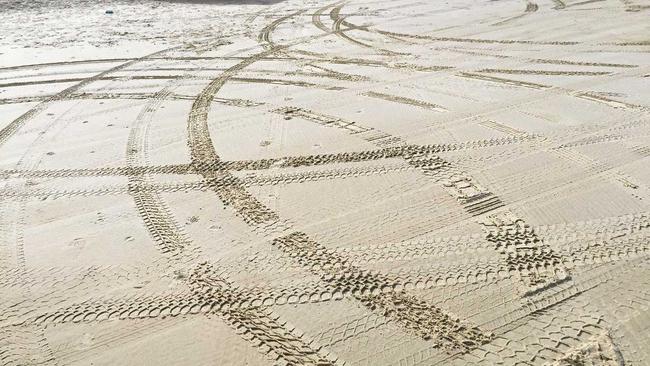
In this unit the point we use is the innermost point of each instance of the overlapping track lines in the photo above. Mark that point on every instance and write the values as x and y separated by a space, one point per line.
185 306
405 310
40 345
537 262
257 324
275 178
299 241
338 21
476 200
545 274
481 74
260 325
19 122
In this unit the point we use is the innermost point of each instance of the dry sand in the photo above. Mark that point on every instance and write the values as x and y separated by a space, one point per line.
311 183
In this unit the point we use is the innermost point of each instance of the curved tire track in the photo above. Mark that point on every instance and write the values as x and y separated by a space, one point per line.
18 123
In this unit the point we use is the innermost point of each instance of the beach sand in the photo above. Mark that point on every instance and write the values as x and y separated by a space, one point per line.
311 183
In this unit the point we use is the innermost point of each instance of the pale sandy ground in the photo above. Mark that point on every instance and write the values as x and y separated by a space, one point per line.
375 182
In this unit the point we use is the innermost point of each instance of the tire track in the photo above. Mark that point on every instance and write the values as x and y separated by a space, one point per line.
164 77
265 35
155 214
244 311
350 127
249 181
527 256
424 320
479 40
335 15
475 199
131 331
433 164
304 84
609 101
329 73
350 329
581 63
24 346
65 63
604 275
503 128
316 17
499 80
277 342
25 295
257 325
537 266
580 3
107 60
593 165
99 172
384 64
621 251
407 101
128 96
19 122
406 309
544 72
265 164
203 152
599 252
578 244
150 188
75 80
368 155
530 8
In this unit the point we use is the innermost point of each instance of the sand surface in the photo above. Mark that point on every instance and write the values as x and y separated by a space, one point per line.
383 182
